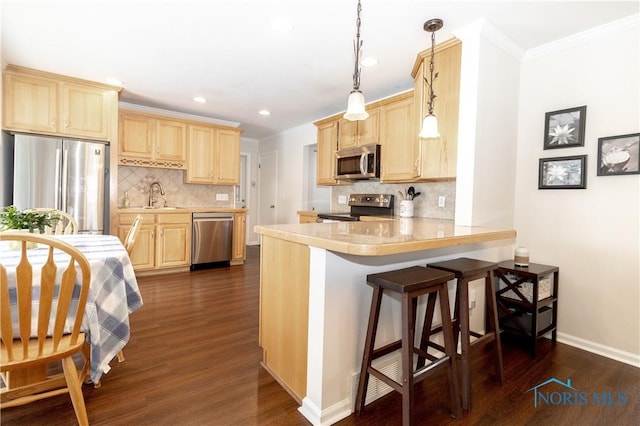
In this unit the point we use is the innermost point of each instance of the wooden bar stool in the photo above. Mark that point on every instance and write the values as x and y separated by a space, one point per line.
410 283
467 270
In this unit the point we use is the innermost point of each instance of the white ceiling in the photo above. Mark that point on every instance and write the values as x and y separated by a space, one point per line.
167 52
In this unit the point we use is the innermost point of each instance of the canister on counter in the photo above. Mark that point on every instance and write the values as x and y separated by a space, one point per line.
521 257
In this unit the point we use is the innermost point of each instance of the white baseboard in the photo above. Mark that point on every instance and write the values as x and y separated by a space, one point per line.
326 417
597 348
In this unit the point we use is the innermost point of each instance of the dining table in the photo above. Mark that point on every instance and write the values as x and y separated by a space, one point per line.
113 293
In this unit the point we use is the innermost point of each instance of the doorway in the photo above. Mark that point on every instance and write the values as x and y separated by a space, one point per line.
267 172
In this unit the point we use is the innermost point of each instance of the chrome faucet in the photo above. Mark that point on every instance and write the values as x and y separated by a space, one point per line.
153 195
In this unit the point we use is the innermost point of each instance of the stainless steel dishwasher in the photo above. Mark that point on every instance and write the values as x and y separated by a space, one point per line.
212 238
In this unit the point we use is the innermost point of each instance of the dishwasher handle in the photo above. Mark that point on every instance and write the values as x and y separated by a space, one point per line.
213 219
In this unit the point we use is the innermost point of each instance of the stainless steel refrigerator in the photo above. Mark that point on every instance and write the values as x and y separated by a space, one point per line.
65 174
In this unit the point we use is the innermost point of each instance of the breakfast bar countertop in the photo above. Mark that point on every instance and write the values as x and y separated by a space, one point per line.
385 237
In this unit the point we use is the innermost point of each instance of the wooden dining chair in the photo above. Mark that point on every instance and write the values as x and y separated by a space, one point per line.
65 225
129 241
55 333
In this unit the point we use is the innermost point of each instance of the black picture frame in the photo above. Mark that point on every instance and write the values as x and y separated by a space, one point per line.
565 128
619 155
563 172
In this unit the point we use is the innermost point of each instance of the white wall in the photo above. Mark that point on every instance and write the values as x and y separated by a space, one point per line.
290 185
490 74
592 234
250 147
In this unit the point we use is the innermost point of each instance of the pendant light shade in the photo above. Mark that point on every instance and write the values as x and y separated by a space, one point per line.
355 107
429 127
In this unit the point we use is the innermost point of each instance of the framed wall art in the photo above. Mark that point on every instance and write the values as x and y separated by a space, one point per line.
619 155
563 172
564 128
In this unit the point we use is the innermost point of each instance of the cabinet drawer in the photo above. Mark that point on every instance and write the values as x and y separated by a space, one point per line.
128 218
173 218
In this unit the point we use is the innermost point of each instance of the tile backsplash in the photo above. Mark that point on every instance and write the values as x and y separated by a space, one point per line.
425 205
136 181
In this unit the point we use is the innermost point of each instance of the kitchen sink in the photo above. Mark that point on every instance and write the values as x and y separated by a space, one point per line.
161 208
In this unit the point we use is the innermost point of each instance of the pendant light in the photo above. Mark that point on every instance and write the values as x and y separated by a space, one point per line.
355 103
430 122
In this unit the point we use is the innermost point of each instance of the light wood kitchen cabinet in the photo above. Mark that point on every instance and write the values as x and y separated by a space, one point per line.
39 102
226 157
327 146
438 156
308 216
239 247
164 240
84 111
399 151
213 155
152 141
358 133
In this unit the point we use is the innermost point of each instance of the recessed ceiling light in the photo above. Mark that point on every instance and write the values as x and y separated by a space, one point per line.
264 112
281 25
369 61
115 82
200 100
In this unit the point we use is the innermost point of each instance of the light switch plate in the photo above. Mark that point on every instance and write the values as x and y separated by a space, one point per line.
222 197
342 199
441 200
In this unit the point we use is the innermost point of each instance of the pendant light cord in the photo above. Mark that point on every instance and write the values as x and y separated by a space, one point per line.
357 44
432 94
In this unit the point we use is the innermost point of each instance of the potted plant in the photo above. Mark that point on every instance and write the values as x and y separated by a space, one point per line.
12 218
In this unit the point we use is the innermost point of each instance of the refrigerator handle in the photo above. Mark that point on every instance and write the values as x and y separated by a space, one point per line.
61 196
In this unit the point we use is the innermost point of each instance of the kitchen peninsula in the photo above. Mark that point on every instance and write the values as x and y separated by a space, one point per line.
314 300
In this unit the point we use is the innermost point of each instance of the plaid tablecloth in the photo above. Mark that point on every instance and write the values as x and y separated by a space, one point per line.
113 293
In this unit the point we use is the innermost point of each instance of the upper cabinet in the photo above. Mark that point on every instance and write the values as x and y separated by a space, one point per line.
358 133
438 156
399 153
327 145
213 155
152 141
39 102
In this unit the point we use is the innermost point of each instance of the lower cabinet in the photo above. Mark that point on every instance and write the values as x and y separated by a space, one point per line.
239 248
164 240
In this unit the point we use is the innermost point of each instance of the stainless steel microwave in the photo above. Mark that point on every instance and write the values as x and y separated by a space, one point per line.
361 162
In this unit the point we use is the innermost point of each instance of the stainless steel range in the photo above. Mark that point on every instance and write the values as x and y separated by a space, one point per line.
362 205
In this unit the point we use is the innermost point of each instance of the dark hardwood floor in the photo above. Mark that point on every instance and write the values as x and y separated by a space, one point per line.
194 359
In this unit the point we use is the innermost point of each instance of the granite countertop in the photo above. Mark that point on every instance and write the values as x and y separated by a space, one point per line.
385 237
164 210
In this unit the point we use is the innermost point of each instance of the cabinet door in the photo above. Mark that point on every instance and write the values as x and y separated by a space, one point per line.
136 133
30 103
239 236
170 140
83 111
347 133
143 254
438 156
200 152
358 133
173 246
369 129
327 146
227 157
399 162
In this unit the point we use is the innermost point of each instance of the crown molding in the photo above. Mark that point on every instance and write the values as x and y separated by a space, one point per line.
624 24
175 114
